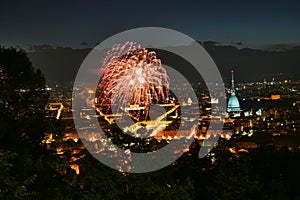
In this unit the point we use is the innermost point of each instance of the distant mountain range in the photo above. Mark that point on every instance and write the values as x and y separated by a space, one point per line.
61 63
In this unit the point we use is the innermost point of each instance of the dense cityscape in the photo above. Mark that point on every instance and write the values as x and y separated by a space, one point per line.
267 111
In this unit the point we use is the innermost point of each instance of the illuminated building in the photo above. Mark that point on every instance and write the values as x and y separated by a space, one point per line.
233 105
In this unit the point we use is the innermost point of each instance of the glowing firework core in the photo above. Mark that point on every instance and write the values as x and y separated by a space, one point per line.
132 76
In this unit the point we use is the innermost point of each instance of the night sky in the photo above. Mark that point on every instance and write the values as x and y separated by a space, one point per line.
74 23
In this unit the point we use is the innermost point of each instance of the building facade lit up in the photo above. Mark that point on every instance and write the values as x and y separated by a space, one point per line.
233 106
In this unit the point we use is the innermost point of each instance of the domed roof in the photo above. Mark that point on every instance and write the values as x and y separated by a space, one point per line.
233 104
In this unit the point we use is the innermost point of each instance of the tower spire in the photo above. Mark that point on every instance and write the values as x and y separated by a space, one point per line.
232 81
233 102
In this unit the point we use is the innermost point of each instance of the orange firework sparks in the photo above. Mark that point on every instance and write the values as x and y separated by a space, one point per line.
134 77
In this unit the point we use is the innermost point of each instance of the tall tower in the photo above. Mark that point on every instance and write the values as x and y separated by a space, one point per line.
233 102
232 81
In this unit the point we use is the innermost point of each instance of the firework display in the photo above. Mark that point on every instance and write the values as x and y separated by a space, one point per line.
132 77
